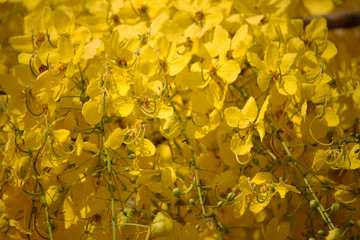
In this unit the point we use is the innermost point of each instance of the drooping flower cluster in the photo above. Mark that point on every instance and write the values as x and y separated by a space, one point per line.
177 120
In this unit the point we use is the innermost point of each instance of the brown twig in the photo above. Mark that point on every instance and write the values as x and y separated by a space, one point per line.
344 19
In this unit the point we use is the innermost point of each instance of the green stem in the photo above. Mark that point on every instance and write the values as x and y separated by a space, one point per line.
324 215
111 186
196 172
32 211
43 201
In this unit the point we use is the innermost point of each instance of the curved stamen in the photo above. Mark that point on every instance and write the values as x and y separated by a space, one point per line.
196 124
239 161
27 103
202 73
107 14
316 140
137 53
48 38
31 67
318 75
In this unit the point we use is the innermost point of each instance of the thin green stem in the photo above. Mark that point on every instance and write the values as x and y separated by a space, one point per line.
196 168
43 194
111 186
324 215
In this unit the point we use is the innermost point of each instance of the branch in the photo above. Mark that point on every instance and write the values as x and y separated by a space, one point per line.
344 19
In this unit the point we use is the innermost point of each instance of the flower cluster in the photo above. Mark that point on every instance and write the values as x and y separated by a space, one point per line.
185 119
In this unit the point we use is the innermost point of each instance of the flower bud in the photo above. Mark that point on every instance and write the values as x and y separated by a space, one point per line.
176 192
162 225
230 197
111 188
124 217
24 168
351 223
335 207
321 232
53 225
219 204
83 97
192 202
314 204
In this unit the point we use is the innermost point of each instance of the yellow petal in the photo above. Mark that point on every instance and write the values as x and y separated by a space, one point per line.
171 127
241 205
62 135
319 159
68 212
220 37
316 29
282 188
241 146
91 48
81 34
21 43
235 118
229 71
11 85
123 105
288 85
276 230
168 177
90 112
263 80
115 139
261 178
18 226
319 7
271 56
330 51
260 120
90 147
65 49
62 21
79 145
286 62
334 234
255 61
250 110
145 149
257 206
165 111
331 118
354 158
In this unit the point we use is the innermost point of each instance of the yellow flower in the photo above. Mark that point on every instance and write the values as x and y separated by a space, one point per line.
274 68
246 120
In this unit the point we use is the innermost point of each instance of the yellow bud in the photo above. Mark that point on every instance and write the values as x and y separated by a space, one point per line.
24 168
162 225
